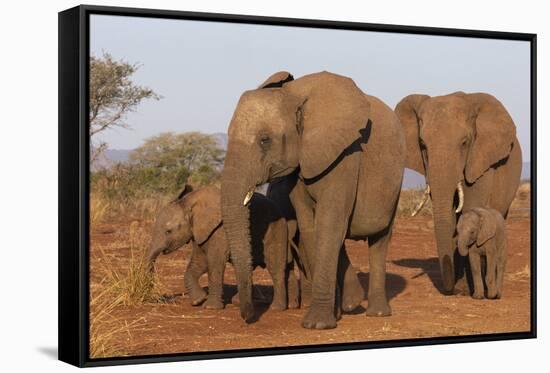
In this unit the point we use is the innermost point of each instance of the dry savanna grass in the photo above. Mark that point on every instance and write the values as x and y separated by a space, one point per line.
409 199
132 285
143 209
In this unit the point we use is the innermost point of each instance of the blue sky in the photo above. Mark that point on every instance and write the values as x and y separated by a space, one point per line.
201 68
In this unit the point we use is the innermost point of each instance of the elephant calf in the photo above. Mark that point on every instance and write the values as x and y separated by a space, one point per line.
195 216
482 232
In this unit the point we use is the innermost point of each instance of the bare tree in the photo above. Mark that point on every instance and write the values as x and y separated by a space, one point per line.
112 96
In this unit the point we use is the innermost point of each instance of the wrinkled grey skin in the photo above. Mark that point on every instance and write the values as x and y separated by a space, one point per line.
195 217
279 192
349 149
481 232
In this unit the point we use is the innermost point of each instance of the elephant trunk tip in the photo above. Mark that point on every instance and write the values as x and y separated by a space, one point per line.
447 272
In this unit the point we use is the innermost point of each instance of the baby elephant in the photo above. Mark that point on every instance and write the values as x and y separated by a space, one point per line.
482 232
195 216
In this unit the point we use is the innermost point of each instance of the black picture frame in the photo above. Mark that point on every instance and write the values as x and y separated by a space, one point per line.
74 146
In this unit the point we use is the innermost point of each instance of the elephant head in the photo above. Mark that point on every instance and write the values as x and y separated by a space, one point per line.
474 226
283 125
453 140
191 216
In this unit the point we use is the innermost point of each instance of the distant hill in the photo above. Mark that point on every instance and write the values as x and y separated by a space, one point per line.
411 179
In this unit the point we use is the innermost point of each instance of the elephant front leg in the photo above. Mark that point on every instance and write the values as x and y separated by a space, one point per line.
378 300
304 205
197 266
462 286
330 232
475 264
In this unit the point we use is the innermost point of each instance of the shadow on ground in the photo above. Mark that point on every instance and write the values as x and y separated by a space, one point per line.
429 267
395 284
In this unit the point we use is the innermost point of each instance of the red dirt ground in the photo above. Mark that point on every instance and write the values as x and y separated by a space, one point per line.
419 309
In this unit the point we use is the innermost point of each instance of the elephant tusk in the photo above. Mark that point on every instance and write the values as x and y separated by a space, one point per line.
460 197
424 200
248 197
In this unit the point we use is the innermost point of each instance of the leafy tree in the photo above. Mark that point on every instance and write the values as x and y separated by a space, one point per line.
171 158
112 95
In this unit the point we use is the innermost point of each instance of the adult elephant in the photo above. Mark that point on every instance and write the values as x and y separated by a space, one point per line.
466 146
350 152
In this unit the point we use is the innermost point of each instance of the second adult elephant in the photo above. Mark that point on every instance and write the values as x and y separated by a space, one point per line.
466 146
350 152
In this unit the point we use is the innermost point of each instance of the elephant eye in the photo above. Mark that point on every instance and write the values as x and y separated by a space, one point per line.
265 140
168 231
464 141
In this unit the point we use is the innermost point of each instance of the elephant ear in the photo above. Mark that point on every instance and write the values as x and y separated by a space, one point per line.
407 112
277 80
331 112
184 191
495 135
205 213
487 226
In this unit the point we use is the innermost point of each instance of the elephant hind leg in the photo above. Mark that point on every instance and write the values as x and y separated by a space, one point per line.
352 290
293 289
501 266
217 256
378 300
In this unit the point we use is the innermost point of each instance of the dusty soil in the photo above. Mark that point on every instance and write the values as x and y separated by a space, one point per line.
419 309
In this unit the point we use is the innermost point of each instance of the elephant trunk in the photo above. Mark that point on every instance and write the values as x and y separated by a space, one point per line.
462 246
236 223
152 255
444 215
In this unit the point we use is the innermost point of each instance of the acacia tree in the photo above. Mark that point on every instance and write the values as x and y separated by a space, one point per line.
112 96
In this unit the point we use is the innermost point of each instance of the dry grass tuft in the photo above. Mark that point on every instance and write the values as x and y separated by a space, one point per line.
136 285
409 199
130 286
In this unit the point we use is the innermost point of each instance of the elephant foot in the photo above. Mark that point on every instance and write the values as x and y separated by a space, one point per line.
478 295
352 294
306 301
278 306
461 287
213 304
319 317
293 302
378 306
235 300
352 298
198 297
